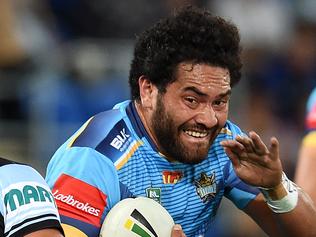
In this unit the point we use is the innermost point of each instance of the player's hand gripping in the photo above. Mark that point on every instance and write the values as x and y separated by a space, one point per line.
253 162
177 231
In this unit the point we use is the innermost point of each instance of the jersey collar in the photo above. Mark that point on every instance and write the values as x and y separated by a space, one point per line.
138 125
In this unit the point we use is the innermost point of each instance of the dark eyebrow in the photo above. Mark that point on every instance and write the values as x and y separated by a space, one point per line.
227 93
200 93
195 90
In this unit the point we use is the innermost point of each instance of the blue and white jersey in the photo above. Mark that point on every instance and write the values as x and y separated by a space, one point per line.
26 202
111 157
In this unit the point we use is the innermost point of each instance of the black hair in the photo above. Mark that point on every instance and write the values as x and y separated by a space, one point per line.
190 35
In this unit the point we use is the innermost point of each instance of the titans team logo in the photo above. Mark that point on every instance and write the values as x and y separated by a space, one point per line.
206 187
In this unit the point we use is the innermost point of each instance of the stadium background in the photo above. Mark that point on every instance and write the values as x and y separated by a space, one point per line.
63 61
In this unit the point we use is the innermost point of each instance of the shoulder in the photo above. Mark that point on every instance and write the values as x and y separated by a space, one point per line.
230 131
108 133
4 162
96 129
88 157
17 177
11 171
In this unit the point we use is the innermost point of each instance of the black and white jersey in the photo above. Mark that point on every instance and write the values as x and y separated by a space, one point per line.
26 202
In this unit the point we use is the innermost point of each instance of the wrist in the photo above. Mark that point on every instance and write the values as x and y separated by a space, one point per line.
282 198
277 193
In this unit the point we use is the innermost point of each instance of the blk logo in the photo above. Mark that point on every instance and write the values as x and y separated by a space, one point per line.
119 139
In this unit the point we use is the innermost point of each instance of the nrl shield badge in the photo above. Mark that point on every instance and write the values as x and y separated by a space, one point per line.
154 193
206 187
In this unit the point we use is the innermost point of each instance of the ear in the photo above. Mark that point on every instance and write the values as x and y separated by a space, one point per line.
148 92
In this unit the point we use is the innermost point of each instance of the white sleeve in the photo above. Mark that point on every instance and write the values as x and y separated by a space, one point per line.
27 204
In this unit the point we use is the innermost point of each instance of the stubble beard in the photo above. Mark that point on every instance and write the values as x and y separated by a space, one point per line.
168 138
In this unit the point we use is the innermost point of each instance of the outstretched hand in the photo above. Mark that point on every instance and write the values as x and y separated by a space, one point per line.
253 161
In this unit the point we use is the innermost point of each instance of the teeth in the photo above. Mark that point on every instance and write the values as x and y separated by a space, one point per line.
196 134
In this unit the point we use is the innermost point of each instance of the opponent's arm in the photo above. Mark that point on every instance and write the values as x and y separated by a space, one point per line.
290 210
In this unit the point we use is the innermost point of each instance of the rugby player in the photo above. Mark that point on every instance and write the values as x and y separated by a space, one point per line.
173 142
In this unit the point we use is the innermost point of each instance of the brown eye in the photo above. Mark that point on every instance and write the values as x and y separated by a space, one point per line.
191 101
220 103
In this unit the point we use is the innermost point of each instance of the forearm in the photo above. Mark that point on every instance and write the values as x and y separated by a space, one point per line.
285 208
301 220
292 207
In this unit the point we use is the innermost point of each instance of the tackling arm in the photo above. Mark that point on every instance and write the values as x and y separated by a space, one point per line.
298 222
289 208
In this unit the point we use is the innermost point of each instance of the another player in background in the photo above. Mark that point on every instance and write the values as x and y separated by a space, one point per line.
27 206
174 143
306 167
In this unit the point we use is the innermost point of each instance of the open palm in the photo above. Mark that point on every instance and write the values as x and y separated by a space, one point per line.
253 162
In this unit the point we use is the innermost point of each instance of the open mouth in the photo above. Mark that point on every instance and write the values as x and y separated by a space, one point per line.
196 134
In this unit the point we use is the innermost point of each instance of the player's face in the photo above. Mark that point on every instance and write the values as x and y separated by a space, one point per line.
191 113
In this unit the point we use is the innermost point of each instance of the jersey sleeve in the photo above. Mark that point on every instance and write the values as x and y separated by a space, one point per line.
236 190
85 186
27 204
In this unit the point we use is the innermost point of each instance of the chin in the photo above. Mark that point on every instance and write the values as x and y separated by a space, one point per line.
193 154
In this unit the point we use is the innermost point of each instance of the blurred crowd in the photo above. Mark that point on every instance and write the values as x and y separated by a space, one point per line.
63 61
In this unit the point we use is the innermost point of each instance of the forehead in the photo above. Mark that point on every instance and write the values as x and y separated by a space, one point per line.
202 75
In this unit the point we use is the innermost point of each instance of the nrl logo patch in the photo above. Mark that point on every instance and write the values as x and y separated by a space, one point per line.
154 193
206 187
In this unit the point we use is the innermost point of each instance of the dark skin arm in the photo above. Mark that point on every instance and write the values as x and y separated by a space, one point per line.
275 224
260 166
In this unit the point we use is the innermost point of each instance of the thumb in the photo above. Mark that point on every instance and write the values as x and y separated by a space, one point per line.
177 231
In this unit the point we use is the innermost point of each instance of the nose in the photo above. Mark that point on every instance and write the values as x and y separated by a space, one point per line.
207 117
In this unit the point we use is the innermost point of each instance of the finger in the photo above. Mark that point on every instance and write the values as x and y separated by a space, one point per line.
232 156
256 159
246 142
259 145
274 148
177 231
234 145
